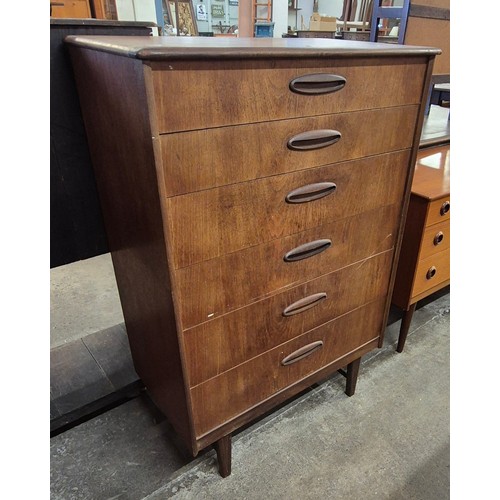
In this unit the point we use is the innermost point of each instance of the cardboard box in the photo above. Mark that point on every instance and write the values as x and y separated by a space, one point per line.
322 23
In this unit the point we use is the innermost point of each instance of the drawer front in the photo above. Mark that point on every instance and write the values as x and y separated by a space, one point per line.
212 288
235 391
236 92
436 238
216 346
215 222
439 210
431 271
204 159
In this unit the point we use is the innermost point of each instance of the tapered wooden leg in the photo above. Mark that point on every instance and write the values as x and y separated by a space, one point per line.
223 449
405 326
352 376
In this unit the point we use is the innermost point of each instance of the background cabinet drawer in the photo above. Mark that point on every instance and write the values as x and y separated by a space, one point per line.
214 347
212 288
431 271
204 159
211 223
439 210
436 238
235 391
234 92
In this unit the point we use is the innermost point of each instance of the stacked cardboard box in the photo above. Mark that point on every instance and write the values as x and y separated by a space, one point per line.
322 23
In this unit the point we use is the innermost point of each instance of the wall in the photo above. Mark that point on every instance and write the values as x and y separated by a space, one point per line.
280 17
136 10
431 32
331 8
230 15
295 18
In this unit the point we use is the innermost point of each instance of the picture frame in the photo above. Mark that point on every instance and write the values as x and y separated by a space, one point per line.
201 12
182 17
167 17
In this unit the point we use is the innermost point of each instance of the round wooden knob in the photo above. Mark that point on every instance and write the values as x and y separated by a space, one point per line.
438 238
431 273
445 208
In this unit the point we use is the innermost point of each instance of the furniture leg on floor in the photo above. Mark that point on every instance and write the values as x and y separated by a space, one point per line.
352 376
223 449
405 326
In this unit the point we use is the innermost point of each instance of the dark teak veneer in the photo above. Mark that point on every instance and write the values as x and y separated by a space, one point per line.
254 193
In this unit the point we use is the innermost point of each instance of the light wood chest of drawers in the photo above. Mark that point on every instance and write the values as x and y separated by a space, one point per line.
424 263
253 193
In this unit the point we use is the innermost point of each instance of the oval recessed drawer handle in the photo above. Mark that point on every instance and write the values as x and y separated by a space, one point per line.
317 83
438 238
307 250
431 273
304 304
445 208
301 353
310 192
313 139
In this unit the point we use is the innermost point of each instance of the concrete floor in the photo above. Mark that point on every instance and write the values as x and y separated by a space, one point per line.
83 300
390 440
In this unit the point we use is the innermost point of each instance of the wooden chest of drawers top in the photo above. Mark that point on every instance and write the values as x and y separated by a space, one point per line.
174 49
431 179
239 68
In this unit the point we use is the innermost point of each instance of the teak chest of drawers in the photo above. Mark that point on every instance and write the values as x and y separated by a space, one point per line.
253 192
424 263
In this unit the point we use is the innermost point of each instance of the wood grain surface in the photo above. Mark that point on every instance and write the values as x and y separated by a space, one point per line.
215 287
211 223
122 155
226 396
196 182
260 150
432 173
252 91
216 346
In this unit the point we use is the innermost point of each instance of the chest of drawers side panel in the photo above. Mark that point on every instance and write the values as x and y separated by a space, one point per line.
410 249
407 194
114 104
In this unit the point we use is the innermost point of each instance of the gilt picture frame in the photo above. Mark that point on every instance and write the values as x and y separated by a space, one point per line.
182 16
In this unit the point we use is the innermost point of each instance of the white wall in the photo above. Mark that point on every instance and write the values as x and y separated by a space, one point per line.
280 17
230 15
331 7
145 10
306 10
326 7
136 10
